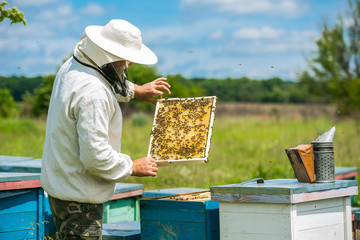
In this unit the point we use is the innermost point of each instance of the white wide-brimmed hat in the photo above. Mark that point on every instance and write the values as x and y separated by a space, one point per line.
122 39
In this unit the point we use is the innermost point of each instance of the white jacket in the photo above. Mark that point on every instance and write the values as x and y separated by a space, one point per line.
82 157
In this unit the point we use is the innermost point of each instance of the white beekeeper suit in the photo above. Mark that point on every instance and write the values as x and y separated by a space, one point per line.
82 157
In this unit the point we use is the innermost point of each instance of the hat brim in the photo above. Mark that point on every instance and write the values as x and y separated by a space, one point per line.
142 56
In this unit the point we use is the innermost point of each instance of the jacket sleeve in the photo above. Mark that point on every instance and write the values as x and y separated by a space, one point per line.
96 154
130 94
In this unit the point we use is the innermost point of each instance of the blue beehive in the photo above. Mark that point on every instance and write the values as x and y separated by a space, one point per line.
21 206
174 219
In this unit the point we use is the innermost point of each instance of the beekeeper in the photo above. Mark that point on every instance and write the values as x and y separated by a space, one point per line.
82 157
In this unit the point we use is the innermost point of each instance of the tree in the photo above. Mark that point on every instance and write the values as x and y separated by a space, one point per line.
180 86
11 13
7 103
334 68
41 99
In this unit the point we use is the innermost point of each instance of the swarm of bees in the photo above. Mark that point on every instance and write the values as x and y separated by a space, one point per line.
182 128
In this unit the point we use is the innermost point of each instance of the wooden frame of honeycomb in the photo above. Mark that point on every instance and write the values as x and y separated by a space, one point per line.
182 130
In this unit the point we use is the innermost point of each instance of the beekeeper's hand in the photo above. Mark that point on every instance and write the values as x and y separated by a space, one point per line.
143 167
147 91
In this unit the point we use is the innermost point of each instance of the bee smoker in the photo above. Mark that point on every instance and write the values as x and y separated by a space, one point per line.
324 157
324 162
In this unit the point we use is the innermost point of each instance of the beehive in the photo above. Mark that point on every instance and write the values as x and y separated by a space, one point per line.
182 130
184 216
285 209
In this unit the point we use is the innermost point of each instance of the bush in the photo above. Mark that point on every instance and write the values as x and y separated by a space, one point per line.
7 103
139 119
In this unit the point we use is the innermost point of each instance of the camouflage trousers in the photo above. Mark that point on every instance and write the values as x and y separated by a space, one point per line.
76 220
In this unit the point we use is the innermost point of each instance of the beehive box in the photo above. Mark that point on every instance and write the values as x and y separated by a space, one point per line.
182 130
182 217
124 205
285 209
22 213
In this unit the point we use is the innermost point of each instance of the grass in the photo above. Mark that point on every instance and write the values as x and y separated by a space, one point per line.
243 147
22 137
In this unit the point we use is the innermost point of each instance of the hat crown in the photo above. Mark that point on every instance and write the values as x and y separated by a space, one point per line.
123 32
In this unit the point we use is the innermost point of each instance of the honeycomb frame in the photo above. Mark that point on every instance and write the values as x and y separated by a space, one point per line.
182 130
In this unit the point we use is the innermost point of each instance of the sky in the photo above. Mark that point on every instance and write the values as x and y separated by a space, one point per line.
259 39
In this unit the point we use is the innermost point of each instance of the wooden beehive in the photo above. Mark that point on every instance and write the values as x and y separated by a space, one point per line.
182 130
285 209
22 213
182 217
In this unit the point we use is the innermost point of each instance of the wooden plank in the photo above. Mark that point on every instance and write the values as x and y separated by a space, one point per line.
252 236
179 230
346 172
257 208
295 198
40 214
13 177
319 204
212 220
320 218
21 234
120 210
312 196
249 223
19 221
25 200
331 232
169 191
123 230
248 198
281 187
127 187
129 194
11 159
347 218
181 195
26 166
172 211
20 185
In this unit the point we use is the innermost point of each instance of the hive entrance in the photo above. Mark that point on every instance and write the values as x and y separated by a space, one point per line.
182 130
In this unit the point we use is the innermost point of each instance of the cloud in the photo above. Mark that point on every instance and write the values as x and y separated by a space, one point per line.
92 9
217 34
32 3
259 33
59 18
283 8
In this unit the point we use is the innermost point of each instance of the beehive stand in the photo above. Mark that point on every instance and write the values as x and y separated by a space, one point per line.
182 130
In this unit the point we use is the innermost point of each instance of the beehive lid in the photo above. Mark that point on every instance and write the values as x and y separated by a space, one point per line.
127 187
283 191
14 177
182 130
282 186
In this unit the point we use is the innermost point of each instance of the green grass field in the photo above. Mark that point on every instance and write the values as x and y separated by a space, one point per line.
243 147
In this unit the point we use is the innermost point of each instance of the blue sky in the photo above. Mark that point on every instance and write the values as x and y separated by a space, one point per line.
196 38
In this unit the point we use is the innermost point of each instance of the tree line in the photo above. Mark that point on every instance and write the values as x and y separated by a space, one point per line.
35 92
